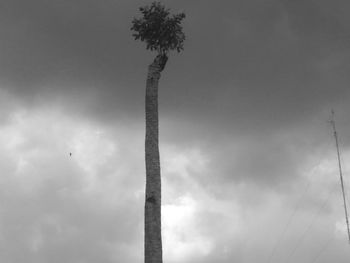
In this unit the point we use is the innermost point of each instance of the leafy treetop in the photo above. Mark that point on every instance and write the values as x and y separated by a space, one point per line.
159 29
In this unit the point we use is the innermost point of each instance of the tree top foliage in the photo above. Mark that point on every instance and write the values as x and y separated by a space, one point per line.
160 30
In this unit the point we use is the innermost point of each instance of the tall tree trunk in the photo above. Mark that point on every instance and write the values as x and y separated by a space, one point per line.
153 234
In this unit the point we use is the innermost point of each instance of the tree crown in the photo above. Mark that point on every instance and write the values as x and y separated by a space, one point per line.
159 29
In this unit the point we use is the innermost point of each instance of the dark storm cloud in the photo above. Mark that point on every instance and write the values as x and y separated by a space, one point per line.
260 66
69 48
250 74
260 60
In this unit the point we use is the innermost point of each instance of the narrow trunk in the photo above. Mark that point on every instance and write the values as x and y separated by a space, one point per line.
153 235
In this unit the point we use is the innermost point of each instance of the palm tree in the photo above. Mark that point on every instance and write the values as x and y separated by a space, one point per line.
162 32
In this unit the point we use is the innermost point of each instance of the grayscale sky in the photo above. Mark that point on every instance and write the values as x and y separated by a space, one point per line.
248 159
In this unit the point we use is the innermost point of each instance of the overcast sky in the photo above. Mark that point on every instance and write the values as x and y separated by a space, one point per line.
248 160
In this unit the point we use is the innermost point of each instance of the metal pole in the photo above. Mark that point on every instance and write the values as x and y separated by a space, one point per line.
341 174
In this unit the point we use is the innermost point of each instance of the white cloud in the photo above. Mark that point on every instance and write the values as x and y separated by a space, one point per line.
52 201
182 240
93 200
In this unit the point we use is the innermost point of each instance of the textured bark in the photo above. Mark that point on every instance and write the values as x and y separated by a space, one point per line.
153 235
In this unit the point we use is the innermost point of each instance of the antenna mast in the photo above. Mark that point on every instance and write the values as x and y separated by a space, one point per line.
332 121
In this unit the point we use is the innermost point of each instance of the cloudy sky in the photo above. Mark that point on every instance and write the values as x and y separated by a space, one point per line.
248 159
